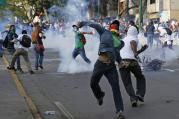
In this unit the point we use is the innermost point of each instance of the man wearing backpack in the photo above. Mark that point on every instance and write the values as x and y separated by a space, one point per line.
22 50
169 41
80 41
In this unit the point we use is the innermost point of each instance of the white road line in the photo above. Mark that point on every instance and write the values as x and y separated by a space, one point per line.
49 60
170 70
55 73
63 110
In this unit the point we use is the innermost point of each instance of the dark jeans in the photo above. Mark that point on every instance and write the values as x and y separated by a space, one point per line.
110 72
126 78
12 51
80 51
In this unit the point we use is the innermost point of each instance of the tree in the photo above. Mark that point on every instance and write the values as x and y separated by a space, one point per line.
20 8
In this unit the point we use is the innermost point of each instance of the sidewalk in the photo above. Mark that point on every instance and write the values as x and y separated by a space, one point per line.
12 105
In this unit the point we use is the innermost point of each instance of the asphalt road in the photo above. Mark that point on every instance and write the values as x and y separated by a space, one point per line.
48 88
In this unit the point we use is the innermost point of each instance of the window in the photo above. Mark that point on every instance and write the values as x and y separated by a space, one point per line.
152 1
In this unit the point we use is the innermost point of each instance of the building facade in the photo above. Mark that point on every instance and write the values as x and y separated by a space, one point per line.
163 10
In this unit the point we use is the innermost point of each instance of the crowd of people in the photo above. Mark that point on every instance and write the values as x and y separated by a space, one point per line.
19 44
116 46
163 33
113 49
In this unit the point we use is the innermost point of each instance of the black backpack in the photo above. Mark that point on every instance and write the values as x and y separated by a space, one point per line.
169 32
26 41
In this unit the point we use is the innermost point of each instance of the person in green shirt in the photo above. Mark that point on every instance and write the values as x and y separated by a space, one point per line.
80 41
118 43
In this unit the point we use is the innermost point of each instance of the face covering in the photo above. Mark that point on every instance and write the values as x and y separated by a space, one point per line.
75 29
13 30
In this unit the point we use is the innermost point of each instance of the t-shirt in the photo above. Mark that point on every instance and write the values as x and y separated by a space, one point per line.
116 40
126 52
150 29
78 42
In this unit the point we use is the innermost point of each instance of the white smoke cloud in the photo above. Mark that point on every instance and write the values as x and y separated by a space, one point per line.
65 45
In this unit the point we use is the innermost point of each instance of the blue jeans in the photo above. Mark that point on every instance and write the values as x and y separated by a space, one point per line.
39 56
150 38
110 72
39 59
157 39
81 52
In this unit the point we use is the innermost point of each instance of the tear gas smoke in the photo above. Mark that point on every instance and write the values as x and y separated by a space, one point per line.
65 44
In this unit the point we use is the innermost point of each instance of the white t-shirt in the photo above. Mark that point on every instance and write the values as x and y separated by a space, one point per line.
132 35
126 52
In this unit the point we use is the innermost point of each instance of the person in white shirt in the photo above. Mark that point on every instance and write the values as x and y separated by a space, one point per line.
129 65
22 50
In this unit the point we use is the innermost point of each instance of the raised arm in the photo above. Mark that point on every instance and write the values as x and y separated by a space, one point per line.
96 26
87 32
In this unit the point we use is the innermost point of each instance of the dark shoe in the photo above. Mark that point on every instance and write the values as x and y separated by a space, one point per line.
134 103
140 98
36 68
31 72
120 115
11 68
100 100
41 67
20 70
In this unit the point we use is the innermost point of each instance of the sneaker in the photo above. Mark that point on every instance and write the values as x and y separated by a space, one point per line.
36 68
134 103
100 100
20 70
140 98
120 115
41 66
11 68
31 72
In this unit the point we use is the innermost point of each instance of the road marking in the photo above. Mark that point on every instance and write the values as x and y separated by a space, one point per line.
49 60
55 73
32 107
170 70
63 110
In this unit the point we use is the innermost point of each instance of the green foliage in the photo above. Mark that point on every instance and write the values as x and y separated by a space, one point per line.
20 8
2 2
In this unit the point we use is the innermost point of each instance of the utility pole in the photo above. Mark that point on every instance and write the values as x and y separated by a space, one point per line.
99 9
119 1
140 14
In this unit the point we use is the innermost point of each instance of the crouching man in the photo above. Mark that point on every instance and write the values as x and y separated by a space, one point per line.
22 50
